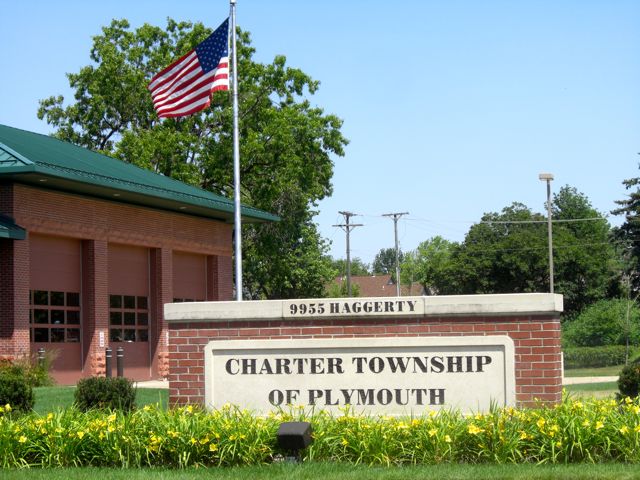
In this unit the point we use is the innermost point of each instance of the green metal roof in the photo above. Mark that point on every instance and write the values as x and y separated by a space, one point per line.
8 229
45 161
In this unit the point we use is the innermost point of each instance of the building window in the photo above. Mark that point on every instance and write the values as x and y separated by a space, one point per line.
182 300
54 317
128 318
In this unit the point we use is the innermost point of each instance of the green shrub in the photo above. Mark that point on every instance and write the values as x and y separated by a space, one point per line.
16 392
105 392
590 357
35 372
629 381
604 323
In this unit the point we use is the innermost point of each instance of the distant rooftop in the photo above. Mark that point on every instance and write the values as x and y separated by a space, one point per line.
47 162
380 286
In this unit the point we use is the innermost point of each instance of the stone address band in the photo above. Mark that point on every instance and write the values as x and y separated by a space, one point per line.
363 306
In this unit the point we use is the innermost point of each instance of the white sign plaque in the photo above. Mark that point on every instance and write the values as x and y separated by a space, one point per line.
392 376
352 307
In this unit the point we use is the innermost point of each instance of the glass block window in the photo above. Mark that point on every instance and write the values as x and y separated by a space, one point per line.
54 316
128 318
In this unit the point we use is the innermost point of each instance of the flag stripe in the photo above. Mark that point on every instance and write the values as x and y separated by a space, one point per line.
203 83
194 77
171 70
193 94
184 82
184 87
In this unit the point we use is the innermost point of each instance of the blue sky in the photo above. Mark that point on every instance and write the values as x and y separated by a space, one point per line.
452 107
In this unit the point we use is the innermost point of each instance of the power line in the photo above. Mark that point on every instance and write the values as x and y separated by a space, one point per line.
559 220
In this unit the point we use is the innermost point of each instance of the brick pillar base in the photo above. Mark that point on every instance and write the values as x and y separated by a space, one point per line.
95 317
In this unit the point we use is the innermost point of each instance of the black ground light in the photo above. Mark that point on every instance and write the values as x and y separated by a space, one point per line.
293 437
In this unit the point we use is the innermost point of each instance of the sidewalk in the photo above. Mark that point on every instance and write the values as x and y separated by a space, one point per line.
152 384
580 380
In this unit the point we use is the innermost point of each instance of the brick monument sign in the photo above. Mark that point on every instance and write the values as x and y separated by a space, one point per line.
400 355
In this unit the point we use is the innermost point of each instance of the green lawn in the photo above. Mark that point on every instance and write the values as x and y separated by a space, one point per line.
49 399
594 372
597 390
328 471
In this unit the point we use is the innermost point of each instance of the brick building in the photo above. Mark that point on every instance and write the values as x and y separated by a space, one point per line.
91 248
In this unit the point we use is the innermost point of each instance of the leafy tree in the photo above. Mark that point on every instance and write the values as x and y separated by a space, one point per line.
339 289
358 267
606 322
504 253
587 266
287 144
507 252
384 262
430 265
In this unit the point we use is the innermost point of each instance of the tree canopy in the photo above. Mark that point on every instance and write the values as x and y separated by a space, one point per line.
357 267
384 262
287 144
507 252
430 265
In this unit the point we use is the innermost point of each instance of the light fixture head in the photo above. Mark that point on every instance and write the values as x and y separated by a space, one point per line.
294 436
546 176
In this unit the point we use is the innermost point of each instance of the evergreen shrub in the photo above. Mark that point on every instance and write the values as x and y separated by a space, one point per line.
629 381
16 392
105 393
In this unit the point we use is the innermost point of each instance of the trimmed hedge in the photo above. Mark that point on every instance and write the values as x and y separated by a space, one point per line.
16 392
629 381
106 393
588 357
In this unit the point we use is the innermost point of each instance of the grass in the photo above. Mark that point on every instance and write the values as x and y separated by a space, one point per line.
50 399
613 371
331 471
597 390
593 387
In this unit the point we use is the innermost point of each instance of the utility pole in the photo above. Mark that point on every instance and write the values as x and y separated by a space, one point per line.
347 227
396 216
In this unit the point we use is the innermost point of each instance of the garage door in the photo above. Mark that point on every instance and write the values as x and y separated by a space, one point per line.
54 299
129 322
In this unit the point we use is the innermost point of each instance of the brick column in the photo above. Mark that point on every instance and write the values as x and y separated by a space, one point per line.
219 278
95 305
14 298
161 292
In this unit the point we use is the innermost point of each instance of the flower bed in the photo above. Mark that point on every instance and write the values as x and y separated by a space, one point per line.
574 431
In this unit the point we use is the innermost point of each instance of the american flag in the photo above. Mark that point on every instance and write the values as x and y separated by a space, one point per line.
185 86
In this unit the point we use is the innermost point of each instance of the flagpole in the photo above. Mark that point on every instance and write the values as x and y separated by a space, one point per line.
236 159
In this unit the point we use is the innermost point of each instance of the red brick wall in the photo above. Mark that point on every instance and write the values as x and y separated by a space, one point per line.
14 298
54 213
161 292
538 362
98 223
95 306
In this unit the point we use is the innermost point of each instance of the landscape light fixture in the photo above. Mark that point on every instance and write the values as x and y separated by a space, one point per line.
294 437
548 177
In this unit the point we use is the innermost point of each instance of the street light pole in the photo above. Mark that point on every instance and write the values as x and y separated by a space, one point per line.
548 177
